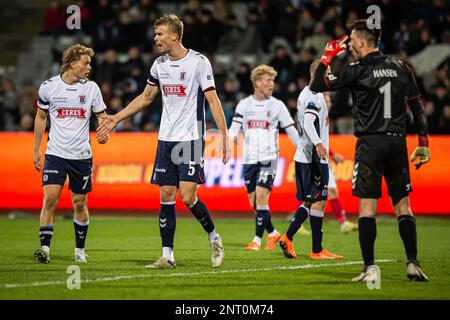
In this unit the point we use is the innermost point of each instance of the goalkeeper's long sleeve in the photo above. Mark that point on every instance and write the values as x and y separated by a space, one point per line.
420 120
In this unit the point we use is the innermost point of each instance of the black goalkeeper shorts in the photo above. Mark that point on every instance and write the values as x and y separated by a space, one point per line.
381 155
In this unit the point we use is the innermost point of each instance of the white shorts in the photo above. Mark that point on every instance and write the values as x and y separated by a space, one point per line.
331 179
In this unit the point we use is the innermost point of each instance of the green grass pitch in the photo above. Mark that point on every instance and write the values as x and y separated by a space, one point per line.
119 247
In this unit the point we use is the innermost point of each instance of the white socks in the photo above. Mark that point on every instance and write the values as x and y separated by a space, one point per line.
168 254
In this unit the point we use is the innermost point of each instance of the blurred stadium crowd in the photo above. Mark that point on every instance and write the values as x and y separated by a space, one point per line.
236 36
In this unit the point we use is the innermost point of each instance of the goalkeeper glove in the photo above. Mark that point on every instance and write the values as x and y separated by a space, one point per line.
422 152
333 49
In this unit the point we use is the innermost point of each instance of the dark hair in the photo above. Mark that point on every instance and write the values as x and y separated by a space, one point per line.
372 36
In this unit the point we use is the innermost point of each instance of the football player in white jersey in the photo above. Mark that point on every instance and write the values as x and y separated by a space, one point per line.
311 170
184 78
67 100
333 192
260 116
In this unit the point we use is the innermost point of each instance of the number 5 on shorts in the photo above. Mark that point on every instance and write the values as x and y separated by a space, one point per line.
191 168
85 184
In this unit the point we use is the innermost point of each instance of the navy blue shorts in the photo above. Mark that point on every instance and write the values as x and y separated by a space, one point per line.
261 174
179 161
311 180
56 170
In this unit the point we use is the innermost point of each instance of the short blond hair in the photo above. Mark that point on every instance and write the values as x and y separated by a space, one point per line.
172 22
260 71
74 53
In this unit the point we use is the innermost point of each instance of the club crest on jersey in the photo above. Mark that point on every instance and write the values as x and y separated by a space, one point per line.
82 99
174 90
182 75
77 113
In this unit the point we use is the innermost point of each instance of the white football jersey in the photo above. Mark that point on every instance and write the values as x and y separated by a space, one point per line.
69 107
182 83
260 122
311 102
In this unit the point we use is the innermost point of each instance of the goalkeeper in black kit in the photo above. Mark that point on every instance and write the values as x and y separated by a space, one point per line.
382 88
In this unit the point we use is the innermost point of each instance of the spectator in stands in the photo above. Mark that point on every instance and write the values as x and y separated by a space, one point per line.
109 69
210 32
282 62
229 97
134 61
26 123
401 38
444 123
439 99
149 36
54 19
251 39
317 40
28 99
104 12
108 36
191 31
301 68
130 23
9 99
232 36
107 93
287 23
243 77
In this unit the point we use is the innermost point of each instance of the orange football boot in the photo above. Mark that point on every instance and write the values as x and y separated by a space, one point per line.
288 247
253 246
272 241
324 255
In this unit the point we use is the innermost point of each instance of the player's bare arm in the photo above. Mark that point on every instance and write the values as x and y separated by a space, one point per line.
102 117
40 123
139 103
219 119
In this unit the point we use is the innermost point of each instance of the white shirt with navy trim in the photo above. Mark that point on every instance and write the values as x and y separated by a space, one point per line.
69 107
260 121
313 103
182 83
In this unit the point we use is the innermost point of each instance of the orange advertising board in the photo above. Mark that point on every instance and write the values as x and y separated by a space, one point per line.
123 168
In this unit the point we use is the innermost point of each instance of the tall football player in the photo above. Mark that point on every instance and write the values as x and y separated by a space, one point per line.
185 79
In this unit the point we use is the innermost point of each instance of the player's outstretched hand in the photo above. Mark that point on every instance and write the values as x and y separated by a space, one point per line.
333 48
424 156
105 128
322 152
38 160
